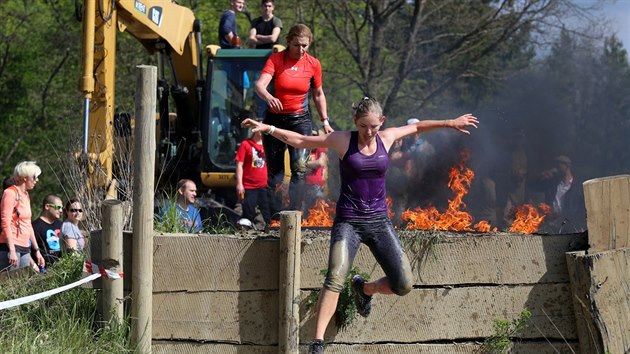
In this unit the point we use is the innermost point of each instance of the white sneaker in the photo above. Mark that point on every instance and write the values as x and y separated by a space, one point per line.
244 223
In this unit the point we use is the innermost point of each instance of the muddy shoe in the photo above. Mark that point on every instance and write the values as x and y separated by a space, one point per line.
316 347
362 301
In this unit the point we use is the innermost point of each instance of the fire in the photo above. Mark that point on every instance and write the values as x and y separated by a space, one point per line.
453 218
390 213
528 218
320 214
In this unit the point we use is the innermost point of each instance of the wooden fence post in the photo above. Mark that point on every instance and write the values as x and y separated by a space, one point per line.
143 190
112 258
289 279
607 202
599 280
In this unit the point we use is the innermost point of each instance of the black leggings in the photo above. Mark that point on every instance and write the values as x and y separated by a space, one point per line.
274 153
379 235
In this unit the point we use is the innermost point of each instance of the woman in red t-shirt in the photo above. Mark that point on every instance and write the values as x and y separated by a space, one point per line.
295 74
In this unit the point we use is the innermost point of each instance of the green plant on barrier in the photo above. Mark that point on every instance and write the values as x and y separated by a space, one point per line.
218 225
167 220
418 246
501 341
346 310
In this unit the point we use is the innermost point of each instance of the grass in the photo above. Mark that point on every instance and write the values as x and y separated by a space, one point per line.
505 331
346 310
63 323
168 221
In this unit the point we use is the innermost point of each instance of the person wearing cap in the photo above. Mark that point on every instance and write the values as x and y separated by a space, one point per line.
251 180
296 75
564 195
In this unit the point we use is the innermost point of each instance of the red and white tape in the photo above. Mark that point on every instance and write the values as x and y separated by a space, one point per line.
88 267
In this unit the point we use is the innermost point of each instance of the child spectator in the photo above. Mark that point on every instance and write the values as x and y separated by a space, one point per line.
251 180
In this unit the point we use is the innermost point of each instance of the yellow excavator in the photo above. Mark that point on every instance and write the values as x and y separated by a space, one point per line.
198 140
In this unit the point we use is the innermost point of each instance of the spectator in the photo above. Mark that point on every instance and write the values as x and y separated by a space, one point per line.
15 214
188 215
266 28
48 227
72 236
565 196
295 73
251 180
361 215
317 166
228 31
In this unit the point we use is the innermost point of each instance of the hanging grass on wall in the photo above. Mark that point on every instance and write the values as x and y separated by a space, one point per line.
346 310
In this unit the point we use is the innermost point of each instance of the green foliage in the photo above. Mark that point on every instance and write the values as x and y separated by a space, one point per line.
62 323
346 310
505 331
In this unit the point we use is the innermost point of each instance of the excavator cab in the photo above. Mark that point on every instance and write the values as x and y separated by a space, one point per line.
229 98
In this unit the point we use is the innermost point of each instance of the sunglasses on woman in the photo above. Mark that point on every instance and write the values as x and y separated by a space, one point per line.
76 210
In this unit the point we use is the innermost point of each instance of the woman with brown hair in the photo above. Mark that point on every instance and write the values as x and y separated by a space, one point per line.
295 74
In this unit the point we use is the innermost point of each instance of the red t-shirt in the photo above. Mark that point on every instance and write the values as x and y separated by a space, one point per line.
316 177
293 79
254 167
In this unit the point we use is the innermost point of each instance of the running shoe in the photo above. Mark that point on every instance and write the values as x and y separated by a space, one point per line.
316 347
362 301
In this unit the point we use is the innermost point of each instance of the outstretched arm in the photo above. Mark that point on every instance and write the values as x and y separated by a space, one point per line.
333 141
460 123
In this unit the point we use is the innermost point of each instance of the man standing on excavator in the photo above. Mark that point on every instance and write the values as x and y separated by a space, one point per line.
228 31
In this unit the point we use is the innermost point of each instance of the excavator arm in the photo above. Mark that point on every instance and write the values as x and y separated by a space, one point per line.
163 28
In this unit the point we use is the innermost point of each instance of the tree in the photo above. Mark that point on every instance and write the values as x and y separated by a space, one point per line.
407 53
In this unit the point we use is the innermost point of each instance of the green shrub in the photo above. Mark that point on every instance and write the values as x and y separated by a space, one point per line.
62 323
501 341
346 311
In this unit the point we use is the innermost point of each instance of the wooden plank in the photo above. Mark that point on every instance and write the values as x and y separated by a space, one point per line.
242 317
423 315
601 295
607 202
224 263
171 347
472 259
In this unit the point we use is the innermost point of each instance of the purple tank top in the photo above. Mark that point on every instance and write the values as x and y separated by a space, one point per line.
362 181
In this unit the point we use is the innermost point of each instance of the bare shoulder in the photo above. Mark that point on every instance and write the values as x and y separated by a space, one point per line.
338 140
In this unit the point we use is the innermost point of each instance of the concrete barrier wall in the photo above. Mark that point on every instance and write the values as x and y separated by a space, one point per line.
219 293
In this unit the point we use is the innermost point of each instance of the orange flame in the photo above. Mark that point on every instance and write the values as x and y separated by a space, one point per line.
528 219
453 219
320 214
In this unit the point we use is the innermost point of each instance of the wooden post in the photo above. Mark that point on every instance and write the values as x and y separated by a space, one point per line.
143 185
289 279
608 212
112 258
599 285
